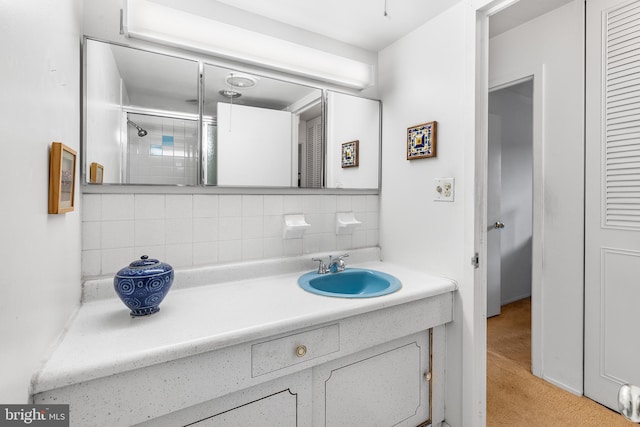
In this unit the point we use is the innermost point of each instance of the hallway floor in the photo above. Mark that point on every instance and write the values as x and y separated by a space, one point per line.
515 397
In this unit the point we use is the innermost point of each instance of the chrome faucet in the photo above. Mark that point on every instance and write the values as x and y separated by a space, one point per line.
335 265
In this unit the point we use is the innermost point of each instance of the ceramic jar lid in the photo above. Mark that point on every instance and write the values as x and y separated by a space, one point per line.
144 266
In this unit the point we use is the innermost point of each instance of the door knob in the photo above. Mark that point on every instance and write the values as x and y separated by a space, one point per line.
498 225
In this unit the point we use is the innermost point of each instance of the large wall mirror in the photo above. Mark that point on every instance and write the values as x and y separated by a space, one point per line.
144 125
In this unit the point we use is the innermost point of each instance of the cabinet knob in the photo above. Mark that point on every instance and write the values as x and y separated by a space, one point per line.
301 350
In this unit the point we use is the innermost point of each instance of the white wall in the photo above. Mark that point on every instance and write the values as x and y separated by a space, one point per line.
514 106
40 253
555 42
422 78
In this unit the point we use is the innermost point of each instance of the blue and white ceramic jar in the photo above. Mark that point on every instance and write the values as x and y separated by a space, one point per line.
143 285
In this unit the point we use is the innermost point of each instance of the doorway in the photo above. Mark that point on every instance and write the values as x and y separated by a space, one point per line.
510 194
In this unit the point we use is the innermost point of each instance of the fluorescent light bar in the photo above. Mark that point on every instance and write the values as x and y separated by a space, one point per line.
150 21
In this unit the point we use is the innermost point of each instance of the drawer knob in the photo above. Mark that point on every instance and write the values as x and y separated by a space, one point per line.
301 350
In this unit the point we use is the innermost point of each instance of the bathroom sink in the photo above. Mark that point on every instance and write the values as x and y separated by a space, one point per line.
350 283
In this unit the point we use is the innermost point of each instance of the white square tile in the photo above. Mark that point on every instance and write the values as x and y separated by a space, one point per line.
179 255
343 242
273 225
252 249
116 234
327 242
273 205
371 238
229 251
252 227
343 204
327 203
311 204
359 203
149 232
149 206
292 247
117 207
230 228
372 221
205 230
311 243
91 232
205 206
178 230
179 206
229 205
273 247
252 205
113 260
91 263
372 203
153 252
293 204
359 239
205 253
91 207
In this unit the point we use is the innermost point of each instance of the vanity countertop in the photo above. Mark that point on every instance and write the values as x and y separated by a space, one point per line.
103 340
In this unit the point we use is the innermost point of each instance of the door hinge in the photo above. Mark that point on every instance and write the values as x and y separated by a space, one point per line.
475 260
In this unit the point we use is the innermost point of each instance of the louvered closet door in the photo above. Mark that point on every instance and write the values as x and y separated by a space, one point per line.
612 241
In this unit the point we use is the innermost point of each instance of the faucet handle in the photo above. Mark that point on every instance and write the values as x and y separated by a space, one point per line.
322 268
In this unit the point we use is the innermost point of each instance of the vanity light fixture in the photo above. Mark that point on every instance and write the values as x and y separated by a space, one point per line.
154 22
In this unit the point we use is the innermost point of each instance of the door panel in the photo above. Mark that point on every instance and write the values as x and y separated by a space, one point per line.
494 208
612 239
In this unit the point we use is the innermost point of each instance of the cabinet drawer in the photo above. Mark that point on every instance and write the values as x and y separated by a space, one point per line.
287 351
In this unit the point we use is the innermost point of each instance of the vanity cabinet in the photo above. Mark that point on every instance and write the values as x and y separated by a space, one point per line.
387 385
258 353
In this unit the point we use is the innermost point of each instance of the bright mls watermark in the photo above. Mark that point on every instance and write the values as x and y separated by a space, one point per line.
34 415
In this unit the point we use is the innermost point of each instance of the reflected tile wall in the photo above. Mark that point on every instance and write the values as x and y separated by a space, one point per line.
203 229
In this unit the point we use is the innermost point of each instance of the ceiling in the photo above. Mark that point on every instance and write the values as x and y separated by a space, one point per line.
362 23
359 23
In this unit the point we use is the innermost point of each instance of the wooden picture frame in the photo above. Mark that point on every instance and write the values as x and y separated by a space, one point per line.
422 141
96 173
350 154
62 178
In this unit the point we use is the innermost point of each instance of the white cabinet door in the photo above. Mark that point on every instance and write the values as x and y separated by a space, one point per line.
276 410
612 240
384 386
283 402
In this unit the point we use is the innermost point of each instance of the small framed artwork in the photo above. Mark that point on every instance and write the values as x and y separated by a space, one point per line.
62 178
350 153
421 141
96 171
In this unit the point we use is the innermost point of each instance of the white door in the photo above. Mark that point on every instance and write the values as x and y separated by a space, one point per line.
612 218
494 192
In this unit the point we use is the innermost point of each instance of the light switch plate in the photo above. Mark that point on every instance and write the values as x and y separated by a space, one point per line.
444 189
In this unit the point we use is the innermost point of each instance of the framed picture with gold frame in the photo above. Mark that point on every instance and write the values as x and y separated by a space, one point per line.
62 178
422 141
96 173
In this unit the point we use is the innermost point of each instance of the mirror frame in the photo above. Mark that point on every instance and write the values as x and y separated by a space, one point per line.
201 187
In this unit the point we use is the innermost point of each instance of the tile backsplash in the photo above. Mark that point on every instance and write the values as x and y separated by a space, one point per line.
204 229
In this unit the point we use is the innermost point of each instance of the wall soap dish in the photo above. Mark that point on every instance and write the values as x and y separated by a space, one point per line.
294 226
346 222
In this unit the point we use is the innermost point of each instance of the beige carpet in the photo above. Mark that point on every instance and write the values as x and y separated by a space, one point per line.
515 397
